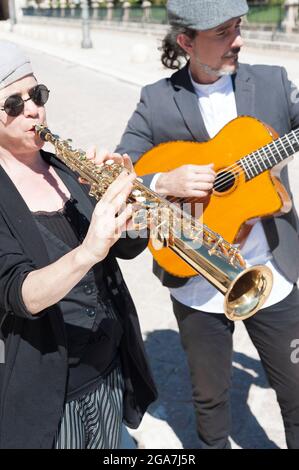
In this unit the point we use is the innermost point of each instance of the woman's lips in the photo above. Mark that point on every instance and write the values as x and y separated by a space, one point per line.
32 129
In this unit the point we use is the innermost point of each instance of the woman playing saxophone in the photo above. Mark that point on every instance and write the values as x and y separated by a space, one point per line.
74 365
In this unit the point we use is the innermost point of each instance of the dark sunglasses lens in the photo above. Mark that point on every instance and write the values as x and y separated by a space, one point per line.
39 95
14 105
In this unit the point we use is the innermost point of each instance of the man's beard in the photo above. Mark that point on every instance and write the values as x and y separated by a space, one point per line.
225 70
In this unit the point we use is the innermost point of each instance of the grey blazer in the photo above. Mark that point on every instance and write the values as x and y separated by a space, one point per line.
168 110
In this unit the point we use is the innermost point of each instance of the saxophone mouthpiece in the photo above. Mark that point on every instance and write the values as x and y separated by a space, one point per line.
41 131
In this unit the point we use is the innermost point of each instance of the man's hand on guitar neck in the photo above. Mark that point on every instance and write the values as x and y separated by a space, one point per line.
187 181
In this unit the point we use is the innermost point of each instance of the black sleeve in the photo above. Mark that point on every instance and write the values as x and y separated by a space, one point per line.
14 267
130 245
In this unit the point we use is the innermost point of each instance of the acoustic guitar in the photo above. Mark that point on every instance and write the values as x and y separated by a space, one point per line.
248 156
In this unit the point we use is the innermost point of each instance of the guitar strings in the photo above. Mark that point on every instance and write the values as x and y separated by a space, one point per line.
250 165
275 147
278 146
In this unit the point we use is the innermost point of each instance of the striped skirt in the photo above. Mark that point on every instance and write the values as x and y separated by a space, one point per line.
94 421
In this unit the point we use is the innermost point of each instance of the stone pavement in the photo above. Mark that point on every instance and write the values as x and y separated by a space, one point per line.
93 92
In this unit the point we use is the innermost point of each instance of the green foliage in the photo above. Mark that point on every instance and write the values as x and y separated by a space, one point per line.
266 14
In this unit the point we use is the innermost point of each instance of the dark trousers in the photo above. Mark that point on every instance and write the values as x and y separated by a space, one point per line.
207 340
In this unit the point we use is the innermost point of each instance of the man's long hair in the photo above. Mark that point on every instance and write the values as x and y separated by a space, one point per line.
172 54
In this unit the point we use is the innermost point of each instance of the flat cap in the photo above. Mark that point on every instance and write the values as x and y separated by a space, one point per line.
204 14
14 64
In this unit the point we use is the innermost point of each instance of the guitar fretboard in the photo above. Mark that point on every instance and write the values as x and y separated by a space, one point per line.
270 155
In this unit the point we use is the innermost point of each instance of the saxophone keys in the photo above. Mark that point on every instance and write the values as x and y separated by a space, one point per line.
139 226
138 196
215 248
139 219
236 257
68 143
93 191
157 243
194 234
240 260
212 250
99 168
140 199
159 233
224 250
208 239
81 154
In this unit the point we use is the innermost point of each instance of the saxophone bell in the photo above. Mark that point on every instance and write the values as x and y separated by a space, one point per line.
248 292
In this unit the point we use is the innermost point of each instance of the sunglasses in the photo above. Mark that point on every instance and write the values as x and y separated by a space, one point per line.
14 104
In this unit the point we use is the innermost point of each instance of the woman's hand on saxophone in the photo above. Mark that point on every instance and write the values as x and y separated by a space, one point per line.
99 158
109 219
111 215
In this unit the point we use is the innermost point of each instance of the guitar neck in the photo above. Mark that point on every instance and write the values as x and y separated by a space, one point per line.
270 155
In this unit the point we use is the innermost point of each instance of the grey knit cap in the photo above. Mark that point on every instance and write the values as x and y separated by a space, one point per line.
204 14
13 63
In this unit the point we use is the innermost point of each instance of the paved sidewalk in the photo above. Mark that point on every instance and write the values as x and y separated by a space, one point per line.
112 74
128 56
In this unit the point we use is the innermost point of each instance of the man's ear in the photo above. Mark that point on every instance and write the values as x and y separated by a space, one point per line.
185 43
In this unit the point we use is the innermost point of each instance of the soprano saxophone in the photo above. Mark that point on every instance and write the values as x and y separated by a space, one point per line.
245 289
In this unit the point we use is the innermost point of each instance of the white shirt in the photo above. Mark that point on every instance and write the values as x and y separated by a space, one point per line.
217 105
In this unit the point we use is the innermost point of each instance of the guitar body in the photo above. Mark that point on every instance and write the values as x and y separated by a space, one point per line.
229 207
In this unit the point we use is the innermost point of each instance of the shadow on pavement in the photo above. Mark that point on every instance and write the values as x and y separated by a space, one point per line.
246 430
174 404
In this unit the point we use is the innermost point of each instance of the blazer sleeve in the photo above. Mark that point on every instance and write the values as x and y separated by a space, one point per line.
138 135
14 267
292 97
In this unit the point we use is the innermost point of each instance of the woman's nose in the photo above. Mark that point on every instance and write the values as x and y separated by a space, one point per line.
30 108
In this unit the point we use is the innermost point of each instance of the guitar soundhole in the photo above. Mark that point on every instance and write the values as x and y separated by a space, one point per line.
224 181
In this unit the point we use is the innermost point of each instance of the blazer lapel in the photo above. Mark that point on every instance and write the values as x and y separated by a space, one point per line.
244 92
187 103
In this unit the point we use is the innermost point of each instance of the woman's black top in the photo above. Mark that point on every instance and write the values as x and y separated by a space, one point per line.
92 324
